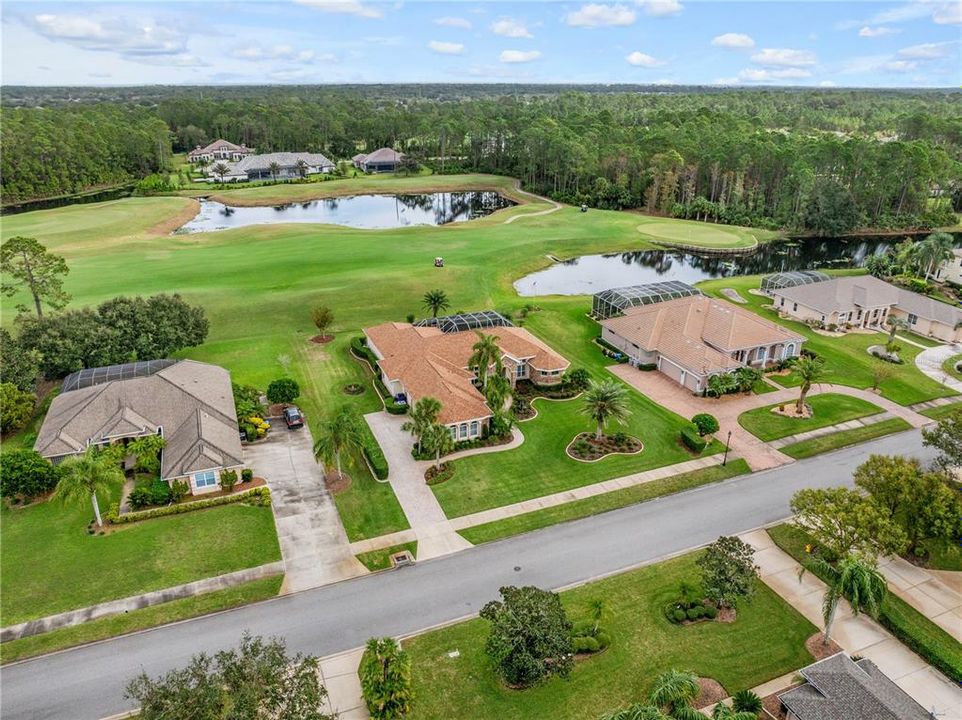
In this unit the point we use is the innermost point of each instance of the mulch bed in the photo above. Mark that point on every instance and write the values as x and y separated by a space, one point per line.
818 650
239 487
790 411
435 476
727 615
607 445
709 692
773 706
337 483
353 389
322 339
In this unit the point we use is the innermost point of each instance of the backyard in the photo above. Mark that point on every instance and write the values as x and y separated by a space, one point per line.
766 640
828 409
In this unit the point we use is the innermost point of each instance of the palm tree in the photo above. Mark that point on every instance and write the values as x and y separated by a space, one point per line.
597 608
638 711
934 250
723 712
275 169
301 167
83 476
895 324
423 415
339 434
497 392
436 301
220 169
854 578
485 354
604 401
146 450
437 439
674 692
809 370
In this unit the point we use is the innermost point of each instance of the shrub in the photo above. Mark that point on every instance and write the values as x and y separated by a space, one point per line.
140 497
590 644
691 438
179 490
711 612
746 701
695 613
410 318
647 367
679 615
283 390
706 424
16 407
254 496
578 379
247 475
25 473
603 638
385 674
228 479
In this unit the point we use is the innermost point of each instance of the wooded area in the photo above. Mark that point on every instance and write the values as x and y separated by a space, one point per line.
814 160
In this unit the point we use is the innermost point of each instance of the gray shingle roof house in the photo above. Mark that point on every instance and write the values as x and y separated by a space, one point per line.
219 150
190 404
839 688
381 160
291 165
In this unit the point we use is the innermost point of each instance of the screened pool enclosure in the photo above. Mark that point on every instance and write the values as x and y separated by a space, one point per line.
100 375
609 303
466 321
782 280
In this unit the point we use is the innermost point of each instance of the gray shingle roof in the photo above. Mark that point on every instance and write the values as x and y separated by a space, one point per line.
191 402
382 155
928 308
284 159
839 688
842 294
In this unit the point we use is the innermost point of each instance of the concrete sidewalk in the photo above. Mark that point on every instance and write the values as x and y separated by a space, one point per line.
927 593
857 635
930 360
832 429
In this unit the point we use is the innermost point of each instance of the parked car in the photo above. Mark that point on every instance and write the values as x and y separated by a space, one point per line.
293 417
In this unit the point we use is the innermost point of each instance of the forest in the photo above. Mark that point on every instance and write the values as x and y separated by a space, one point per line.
822 161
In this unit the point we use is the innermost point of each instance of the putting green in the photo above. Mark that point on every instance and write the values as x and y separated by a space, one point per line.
690 232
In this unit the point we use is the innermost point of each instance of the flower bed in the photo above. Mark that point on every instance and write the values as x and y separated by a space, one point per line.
683 612
436 475
254 496
529 390
354 389
587 448
483 442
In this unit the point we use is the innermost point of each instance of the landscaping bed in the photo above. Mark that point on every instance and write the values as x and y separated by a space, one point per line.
461 445
437 475
827 409
588 448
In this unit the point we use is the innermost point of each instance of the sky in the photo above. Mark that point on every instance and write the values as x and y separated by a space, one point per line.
766 42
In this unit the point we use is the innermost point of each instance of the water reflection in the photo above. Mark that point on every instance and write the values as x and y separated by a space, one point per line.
359 211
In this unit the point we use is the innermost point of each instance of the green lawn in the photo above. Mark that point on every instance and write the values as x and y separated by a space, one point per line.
833 441
148 617
920 339
602 503
381 559
50 564
902 620
941 411
829 409
767 640
948 367
847 359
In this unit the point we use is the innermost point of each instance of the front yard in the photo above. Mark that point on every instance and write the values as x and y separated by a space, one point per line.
828 409
766 640
51 564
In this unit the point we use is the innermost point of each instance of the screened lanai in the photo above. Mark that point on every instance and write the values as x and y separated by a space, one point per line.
100 375
615 301
779 281
466 321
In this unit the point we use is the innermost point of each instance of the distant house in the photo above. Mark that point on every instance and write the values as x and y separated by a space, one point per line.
219 150
289 165
431 360
687 336
190 404
951 270
381 160
865 301
839 688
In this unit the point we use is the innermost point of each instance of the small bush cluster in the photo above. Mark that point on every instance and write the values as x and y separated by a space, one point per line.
375 458
149 493
647 367
247 475
693 439
436 476
283 390
611 351
587 447
228 479
689 608
254 428
706 424
254 496
529 389
489 440
587 638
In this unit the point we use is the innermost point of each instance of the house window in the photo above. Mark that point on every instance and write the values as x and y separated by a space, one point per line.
454 431
519 370
474 428
208 478
464 430
781 303
913 319
794 307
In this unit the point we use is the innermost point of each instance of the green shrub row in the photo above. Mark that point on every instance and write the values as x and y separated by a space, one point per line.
360 349
373 453
942 653
611 351
254 496
693 441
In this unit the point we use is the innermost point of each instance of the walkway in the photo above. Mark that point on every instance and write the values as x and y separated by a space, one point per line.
926 592
930 360
314 544
856 635
338 675
832 429
556 205
136 602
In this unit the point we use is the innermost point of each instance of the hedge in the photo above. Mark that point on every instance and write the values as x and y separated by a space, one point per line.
360 349
373 454
261 496
691 438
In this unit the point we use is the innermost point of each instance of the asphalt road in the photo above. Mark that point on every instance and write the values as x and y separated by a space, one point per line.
88 682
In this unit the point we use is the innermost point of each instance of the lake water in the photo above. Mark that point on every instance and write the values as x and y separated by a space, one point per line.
589 274
370 212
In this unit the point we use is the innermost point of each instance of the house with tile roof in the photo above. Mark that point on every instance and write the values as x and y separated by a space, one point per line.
425 361
381 160
693 337
219 151
839 688
190 404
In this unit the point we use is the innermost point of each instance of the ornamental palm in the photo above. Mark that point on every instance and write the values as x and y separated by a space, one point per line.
895 324
423 415
83 476
934 250
809 370
497 392
301 168
674 692
604 401
485 354
436 301
220 169
275 169
437 439
339 434
854 578
638 711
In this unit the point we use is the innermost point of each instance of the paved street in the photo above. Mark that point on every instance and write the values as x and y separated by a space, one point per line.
88 682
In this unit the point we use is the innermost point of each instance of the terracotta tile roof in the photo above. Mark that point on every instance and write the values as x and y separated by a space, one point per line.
698 333
430 363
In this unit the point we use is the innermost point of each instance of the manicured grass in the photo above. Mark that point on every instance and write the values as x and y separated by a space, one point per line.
920 339
829 409
767 640
148 617
905 622
944 556
846 357
602 503
381 559
941 411
833 441
948 367
691 232
50 564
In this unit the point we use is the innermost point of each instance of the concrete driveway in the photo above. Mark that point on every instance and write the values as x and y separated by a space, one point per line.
313 541
930 360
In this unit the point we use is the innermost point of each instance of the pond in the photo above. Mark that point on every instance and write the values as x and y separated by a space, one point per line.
370 212
589 274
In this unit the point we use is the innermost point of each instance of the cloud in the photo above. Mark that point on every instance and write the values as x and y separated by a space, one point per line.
343 7
725 81
901 13
759 75
661 8
640 59
126 36
784 57
900 66
948 14
874 32
734 41
519 56
446 48
598 15
927 51
827 83
453 22
508 27
277 52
